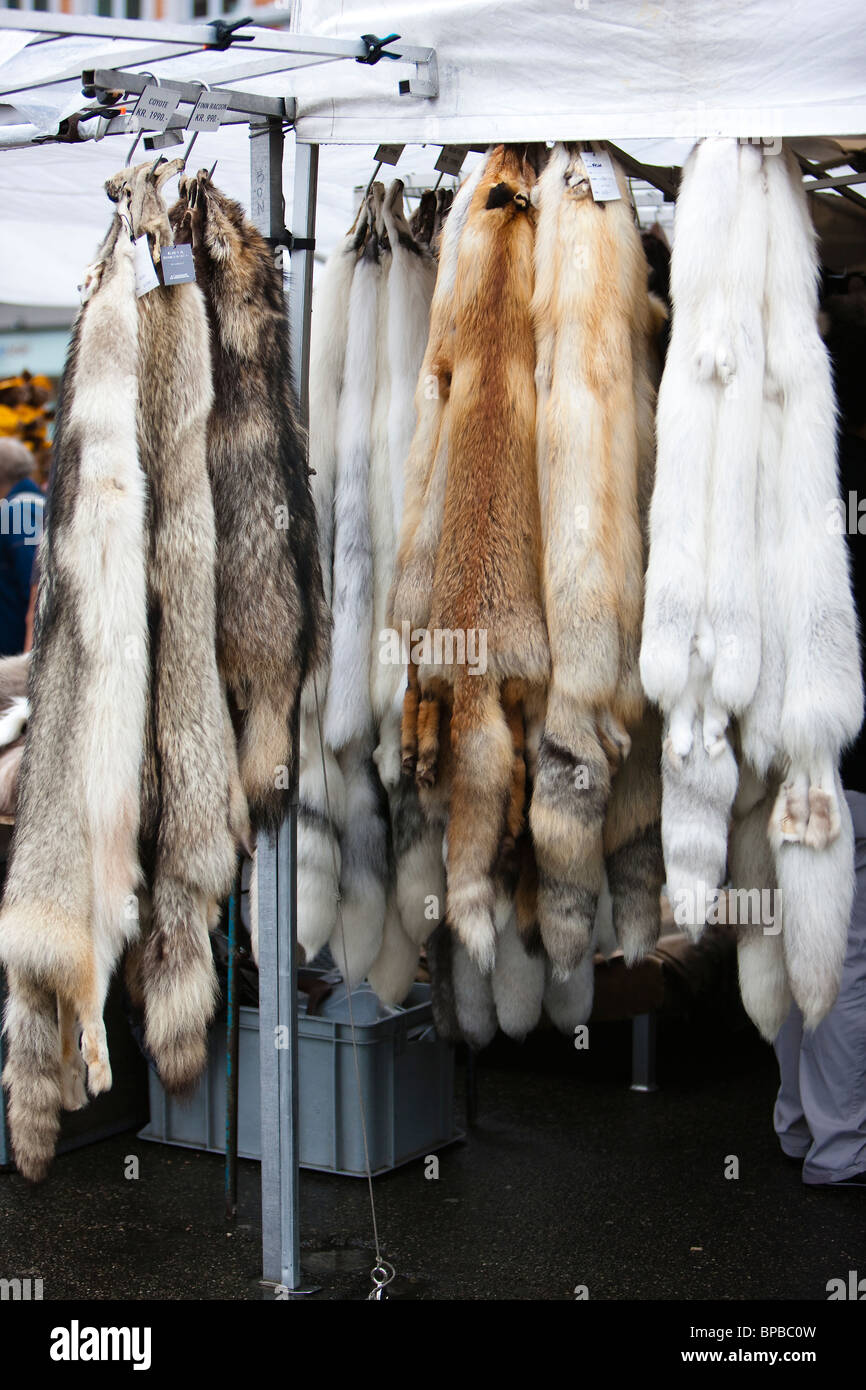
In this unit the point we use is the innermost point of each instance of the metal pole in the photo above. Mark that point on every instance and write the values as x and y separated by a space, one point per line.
643 1053
278 1022
232 1040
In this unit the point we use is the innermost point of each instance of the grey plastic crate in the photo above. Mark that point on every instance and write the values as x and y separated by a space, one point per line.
123 1107
407 1081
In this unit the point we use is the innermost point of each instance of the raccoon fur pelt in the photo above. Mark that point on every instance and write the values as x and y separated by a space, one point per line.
265 521
193 808
590 294
68 908
736 627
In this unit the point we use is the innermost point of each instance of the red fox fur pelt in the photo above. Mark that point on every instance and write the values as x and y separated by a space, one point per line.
591 312
487 567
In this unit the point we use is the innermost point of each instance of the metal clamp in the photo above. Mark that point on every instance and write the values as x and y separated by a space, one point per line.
376 49
225 35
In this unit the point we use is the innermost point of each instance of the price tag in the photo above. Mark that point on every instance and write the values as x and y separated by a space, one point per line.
178 267
450 160
389 154
208 111
146 277
154 108
602 175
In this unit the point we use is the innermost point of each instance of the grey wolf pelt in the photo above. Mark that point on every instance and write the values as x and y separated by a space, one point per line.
189 800
68 909
265 522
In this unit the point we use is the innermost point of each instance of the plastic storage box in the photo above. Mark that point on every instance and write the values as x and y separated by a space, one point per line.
407 1081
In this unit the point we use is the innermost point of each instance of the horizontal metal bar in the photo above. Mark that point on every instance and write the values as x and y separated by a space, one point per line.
838 181
159 31
152 54
249 103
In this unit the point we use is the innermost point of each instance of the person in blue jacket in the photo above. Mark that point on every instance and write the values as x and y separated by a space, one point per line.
22 505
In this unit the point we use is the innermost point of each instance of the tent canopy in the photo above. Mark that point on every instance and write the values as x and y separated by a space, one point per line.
652 77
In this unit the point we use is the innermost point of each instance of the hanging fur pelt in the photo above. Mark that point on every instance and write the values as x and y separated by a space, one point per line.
486 579
350 724
411 282
321 793
265 522
68 909
746 480
193 809
590 290
426 465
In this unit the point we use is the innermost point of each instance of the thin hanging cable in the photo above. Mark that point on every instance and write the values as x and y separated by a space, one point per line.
380 1266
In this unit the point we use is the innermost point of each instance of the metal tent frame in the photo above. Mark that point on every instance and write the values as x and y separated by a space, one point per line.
268 118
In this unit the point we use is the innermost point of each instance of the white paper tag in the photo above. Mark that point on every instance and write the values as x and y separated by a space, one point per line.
208 111
146 277
602 175
154 108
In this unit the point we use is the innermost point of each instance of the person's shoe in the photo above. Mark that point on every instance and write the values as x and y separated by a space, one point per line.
856 1180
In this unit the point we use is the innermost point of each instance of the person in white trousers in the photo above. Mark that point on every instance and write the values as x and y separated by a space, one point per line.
820 1114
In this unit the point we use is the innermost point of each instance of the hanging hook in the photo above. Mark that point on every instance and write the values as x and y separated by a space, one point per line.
132 148
205 86
375 172
381 1274
212 167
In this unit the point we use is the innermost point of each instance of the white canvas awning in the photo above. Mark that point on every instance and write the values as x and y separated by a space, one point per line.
652 77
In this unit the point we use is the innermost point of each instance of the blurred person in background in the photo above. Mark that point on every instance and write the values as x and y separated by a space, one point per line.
22 504
820 1115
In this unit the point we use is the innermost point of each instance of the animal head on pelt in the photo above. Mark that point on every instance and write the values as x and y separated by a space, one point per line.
233 262
138 189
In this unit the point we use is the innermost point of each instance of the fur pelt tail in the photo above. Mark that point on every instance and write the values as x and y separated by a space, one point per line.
632 843
817 892
32 1075
764 986
357 937
482 750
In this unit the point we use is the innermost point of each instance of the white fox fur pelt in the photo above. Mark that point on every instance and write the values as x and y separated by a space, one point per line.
192 803
68 908
813 627
590 291
746 480
265 520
